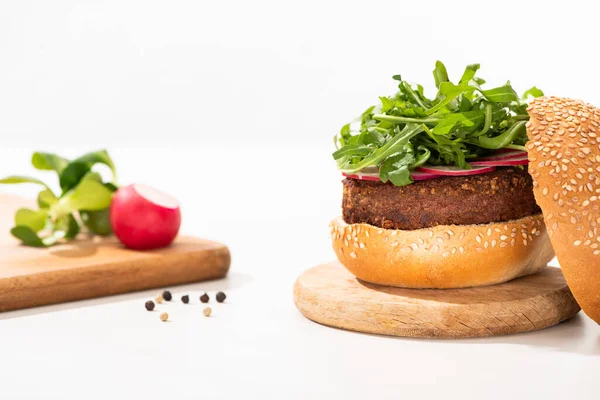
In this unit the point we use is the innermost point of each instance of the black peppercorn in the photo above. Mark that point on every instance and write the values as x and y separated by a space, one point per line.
221 297
204 298
149 305
167 295
185 299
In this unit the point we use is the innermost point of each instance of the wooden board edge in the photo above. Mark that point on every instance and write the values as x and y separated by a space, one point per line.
84 283
302 300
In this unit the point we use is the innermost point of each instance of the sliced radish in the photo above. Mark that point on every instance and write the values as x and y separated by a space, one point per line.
451 170
509 162
143 217
503 154
423 176
362 177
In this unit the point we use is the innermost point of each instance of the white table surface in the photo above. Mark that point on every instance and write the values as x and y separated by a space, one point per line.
258 345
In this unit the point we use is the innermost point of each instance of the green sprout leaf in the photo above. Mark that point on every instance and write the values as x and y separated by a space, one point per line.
49 162
84 193
28 236
46 198
88 195
34 219
98 222
79 167
16 179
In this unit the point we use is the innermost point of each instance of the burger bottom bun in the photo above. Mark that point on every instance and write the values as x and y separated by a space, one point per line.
445 256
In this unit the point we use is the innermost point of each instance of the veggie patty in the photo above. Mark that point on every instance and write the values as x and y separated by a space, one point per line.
502 195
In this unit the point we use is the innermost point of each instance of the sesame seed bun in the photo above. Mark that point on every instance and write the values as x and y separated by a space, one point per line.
564 155
444 256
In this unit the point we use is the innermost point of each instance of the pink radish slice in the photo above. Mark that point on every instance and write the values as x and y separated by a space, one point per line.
503 155
362 177
451 170
423 176
416 175
523 160
143 217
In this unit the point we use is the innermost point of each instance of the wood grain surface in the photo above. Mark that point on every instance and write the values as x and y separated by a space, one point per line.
330 295
92 267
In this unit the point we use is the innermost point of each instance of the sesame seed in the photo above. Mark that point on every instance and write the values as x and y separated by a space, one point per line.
353 255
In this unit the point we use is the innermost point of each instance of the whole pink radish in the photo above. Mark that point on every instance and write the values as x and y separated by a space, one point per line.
144 218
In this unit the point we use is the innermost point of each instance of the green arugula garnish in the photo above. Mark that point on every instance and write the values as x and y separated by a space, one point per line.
462 122
84 197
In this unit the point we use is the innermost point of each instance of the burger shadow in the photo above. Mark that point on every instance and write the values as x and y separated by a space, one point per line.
578 335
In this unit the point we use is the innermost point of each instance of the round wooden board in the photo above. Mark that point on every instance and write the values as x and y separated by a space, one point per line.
330 295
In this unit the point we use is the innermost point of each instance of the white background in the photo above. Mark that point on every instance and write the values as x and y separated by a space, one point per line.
231 106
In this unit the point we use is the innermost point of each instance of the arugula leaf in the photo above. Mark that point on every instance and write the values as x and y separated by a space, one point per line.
352 151
533 92
462 122
502 94
396 169
469 74
440 74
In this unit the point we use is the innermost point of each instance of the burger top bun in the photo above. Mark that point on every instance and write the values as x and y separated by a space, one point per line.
564 155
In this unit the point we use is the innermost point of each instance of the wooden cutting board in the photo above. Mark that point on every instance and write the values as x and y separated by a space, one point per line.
94 267
330 295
